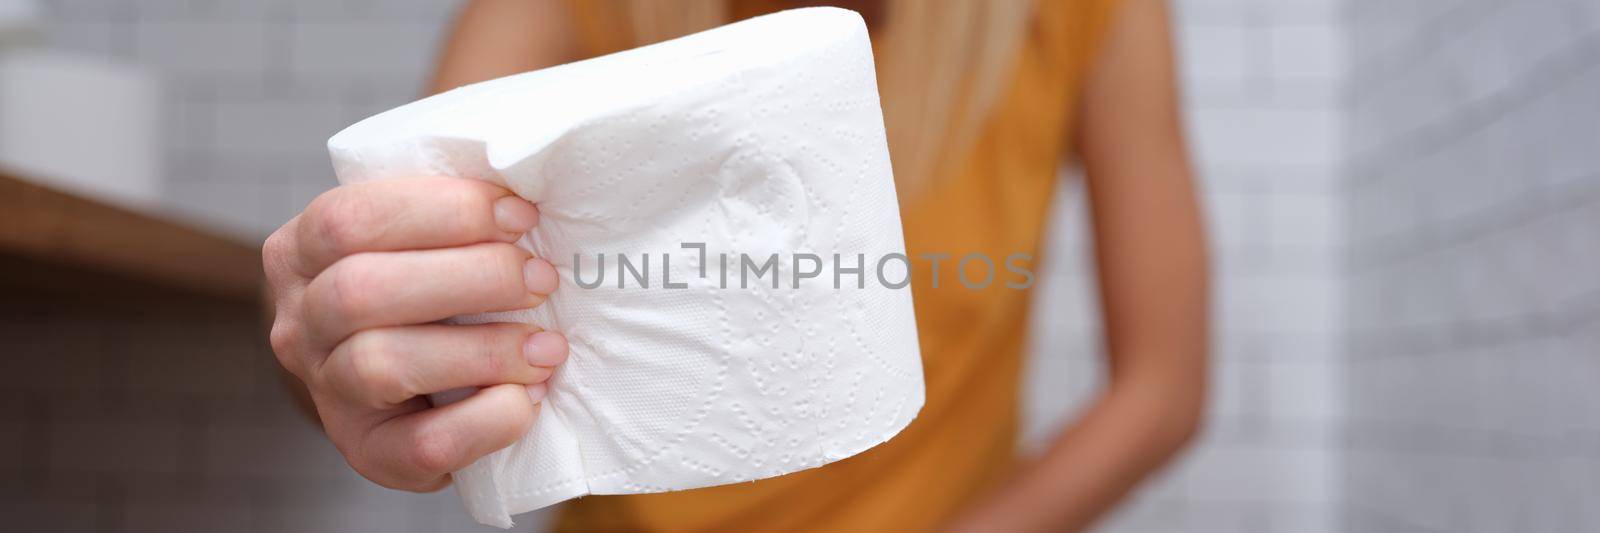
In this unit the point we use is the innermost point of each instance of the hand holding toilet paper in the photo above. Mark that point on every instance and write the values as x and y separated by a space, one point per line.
757 138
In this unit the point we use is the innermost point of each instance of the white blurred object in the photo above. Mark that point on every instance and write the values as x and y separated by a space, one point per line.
19 21
83 124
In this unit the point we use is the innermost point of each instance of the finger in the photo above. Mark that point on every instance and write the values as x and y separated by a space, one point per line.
383 367
401 288
283 289
416 451
278 257
407 214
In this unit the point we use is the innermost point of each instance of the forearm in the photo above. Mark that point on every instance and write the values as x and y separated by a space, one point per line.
1131 430
1151 261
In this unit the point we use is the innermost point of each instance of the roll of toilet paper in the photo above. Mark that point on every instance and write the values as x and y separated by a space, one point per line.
764 326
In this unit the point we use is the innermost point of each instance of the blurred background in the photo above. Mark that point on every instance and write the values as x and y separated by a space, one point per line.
1404 200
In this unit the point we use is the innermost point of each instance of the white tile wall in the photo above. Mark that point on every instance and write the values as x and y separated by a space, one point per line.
1474 199
256 87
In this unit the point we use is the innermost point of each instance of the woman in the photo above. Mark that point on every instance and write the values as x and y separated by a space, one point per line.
983 101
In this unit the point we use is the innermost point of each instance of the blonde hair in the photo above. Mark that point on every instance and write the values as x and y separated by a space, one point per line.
941 67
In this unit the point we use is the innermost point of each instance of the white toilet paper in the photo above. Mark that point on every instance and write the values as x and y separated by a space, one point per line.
757 138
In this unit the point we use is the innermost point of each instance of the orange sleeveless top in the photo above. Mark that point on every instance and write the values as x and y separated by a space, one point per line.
962 443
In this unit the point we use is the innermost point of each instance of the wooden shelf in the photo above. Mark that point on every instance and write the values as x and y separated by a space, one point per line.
60 243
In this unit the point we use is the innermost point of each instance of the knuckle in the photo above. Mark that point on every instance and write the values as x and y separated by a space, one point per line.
433 450
340 220
390 478
509 277
494 358
283 337
462 196
371 375
487 351
277 254
352 284
501 349
285 340
519 422
516 415
373 468
359 462
472 201
277 246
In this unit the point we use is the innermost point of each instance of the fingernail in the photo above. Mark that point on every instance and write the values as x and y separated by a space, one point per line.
539 276
545 348
515 215
538 392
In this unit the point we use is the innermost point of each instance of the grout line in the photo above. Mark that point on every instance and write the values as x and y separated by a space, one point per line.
1578 313
1425 41
1423 437
1511 214
1546 76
